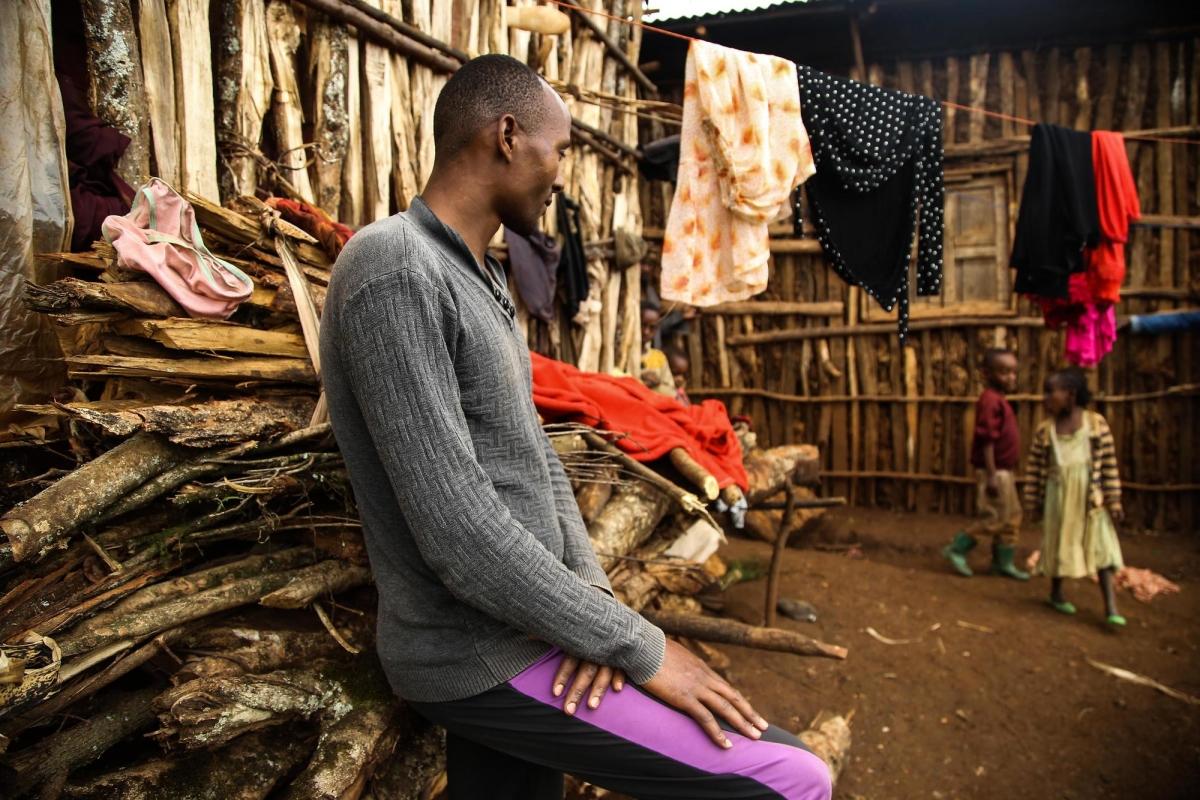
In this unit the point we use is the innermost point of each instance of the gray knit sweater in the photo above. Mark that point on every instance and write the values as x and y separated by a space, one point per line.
478 550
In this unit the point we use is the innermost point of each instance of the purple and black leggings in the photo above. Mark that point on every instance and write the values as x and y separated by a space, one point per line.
514 742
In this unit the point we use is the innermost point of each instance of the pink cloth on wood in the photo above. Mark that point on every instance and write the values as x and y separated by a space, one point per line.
160 236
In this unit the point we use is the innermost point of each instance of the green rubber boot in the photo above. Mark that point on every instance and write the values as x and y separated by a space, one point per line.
1002 562
956 553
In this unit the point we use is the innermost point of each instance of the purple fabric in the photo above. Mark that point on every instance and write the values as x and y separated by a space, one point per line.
636 717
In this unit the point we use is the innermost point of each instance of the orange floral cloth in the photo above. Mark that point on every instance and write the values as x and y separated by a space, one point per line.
743 150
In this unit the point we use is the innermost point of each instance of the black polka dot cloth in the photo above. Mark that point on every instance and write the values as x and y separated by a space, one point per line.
879 171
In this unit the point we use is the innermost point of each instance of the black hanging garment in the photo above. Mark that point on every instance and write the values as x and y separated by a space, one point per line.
1058 215
573 262
879 165
533 260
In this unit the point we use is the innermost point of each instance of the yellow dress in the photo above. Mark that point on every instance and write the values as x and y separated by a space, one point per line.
1078 539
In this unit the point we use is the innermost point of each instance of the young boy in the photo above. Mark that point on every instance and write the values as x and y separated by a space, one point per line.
995 450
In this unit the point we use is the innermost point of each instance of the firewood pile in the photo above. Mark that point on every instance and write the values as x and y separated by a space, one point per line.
186 606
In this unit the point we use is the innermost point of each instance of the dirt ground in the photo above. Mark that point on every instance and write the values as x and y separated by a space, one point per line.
961 713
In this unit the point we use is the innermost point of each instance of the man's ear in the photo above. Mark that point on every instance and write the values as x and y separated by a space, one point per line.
506 133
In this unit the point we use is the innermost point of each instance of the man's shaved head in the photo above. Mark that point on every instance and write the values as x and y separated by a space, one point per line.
483 90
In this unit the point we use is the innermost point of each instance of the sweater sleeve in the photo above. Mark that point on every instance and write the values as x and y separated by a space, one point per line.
397 348
578 554
1106 457
1035 472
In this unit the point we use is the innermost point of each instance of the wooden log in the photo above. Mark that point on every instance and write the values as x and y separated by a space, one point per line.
725 631
350 209
696 474
405 183
248 768
797 334
55 513
685 499
328 72
159 77
352 743
225 370
626 521
594 494
217 422
410 770
830 308
828 738
69 294
614 49
312 583
199 334
416 34
144 622
209 712
770 470
283 35
244 84
117 91
197 582
191 51
385 35
377 136
46 766
246 650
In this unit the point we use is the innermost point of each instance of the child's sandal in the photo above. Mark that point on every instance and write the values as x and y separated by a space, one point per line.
1115 621
1062 607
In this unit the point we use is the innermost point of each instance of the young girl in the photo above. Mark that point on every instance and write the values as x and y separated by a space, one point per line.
1074 485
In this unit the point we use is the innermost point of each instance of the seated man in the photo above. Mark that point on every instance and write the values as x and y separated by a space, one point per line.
495 620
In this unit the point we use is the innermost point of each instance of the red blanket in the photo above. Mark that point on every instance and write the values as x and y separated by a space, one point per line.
653 423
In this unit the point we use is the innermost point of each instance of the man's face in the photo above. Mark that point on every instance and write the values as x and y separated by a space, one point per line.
534 172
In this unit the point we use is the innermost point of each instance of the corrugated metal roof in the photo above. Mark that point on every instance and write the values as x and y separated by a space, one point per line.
674 10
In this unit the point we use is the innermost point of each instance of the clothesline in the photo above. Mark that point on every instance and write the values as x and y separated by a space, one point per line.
946 103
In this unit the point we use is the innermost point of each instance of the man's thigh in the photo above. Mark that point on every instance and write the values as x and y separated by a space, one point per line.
632 744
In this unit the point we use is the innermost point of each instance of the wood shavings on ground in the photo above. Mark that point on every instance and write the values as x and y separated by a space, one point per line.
879 637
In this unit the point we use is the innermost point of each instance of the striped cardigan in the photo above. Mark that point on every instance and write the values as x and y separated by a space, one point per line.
1106 480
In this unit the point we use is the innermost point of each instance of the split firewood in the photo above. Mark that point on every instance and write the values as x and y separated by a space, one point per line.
215 335
765 525
61 508
155 37
311 583
725 631
191 53
685 499
626 521
42 770
191 370
88 635
69 294
210 424
248 768
221 652
352 743
243 75
413 767
72 691
283 36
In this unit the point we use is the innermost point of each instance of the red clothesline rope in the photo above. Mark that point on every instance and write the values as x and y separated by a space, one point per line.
946 103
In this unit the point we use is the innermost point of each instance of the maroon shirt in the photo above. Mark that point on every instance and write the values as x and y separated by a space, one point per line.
996 423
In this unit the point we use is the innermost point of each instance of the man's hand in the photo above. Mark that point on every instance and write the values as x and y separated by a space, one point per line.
592 679
686 682
993 485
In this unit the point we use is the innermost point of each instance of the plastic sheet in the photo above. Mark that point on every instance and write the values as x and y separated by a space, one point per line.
35 215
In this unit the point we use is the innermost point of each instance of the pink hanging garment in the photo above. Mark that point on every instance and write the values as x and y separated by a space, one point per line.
160 236
1091 336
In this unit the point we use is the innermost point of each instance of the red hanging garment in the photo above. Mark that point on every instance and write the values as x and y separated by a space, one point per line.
1117 202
